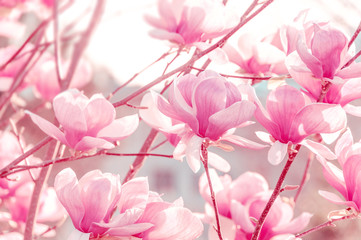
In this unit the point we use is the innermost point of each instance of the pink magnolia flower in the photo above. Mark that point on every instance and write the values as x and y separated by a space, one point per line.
203 108
91 202
245 198
346 180
291 117
257 56
50 209
86 123
11 236
44 79
322 59
187 22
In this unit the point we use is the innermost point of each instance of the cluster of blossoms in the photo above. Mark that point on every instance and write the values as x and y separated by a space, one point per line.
200 109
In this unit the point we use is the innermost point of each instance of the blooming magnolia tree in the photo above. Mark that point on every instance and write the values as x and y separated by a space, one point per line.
313 79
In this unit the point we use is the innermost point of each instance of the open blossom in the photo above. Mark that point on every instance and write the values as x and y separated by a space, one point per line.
245 198
346 180
140 213
322 59
202 108
291 117
86 123
186 22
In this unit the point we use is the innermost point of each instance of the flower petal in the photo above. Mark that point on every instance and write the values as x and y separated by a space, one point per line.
88 143
218 162
277 152
120 128
47 127
193 152
319 149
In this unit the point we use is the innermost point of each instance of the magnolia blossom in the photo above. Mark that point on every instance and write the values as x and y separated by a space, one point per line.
291 117
245 198
256 56
202 108
322 59
346 180
45 81
139 213
50 209
187 22
86 123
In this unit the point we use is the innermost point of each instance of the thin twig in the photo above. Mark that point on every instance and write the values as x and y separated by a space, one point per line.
213 197
326 224
275 193
354 36
305 175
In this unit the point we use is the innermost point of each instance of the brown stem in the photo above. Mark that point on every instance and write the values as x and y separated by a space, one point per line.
83 43
326 224
213 197
190 62
276 192
139 160
38 188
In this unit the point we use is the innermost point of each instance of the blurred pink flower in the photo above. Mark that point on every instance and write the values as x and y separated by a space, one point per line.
44 79
11 236
204 107
243 199
91 202
87 123
257 56
322 59
50 209
346 180
187 22
291 117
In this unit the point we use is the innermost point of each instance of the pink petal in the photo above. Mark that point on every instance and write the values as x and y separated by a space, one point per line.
47 127
318 118
218 162
228 228
209 98
88 143
126 224
296 225
120 128
99 113
228 118
334 176
152 116
77 235
277 152
327 46
311 61
193 152
319 149
251 184
175 223
134 194
336 199
243 142
353 110
165 35
241 217
350 91
343 145
283 105
352 71
68 192
351 172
